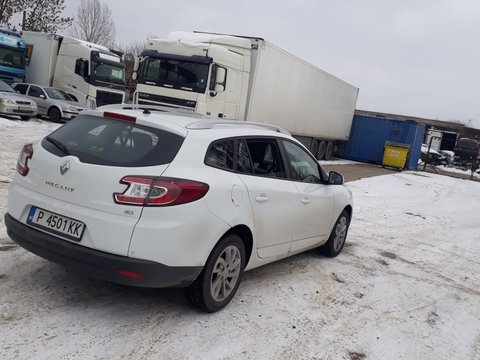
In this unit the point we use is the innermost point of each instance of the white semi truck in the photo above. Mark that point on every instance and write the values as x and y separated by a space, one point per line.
92 73
246 78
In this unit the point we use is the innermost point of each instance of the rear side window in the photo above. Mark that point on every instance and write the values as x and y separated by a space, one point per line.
220 154
265 157
103 141
21 88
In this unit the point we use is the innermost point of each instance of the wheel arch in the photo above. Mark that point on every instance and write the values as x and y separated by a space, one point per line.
57 107
244 232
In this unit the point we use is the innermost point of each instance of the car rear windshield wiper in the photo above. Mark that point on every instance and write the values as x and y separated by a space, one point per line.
58 145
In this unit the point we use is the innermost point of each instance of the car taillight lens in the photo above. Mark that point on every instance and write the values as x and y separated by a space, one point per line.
25 155
159 191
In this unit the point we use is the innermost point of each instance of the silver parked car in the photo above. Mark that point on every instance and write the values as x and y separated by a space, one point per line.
52 102
13 103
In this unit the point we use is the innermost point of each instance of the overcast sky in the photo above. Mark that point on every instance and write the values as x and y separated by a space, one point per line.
411 57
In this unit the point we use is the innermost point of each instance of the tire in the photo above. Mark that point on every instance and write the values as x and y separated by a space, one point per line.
25 118
54 115
336 241
329 150
212 290
321 150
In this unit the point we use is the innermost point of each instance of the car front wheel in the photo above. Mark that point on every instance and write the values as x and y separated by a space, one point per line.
219 280
54 115
336 241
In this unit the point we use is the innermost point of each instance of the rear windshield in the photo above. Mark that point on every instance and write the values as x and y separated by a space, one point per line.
103 141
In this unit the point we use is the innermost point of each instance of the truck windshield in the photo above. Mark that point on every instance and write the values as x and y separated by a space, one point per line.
12 58
183 75
108 72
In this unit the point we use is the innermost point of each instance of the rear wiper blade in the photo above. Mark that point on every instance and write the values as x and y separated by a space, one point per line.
58 145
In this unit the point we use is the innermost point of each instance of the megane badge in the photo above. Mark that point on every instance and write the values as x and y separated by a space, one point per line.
65 167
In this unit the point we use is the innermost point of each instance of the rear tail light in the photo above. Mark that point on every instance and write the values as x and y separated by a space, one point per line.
22 162
159 191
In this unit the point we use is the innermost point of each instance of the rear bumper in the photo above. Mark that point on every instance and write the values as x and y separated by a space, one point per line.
96 263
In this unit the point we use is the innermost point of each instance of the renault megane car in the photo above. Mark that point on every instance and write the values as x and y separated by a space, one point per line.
154 198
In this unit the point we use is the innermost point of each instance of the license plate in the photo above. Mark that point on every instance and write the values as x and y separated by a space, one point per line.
55 223
24 108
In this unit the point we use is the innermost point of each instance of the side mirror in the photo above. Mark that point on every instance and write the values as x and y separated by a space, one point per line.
134 75
85 69
334 178
221 75
136 64
41 96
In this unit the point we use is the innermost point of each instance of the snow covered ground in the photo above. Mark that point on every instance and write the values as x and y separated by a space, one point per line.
407 286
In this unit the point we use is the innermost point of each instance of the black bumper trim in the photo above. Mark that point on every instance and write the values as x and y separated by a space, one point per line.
96 263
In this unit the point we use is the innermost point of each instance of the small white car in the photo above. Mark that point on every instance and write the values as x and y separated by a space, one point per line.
54 103
157 199
14 104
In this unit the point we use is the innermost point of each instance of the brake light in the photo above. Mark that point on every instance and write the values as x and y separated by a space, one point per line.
112 115
159 191
22 162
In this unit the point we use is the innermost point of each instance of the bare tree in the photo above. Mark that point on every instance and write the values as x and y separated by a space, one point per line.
94 23
7 9
43 15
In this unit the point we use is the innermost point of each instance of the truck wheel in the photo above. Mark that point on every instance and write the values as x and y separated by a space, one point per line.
218 282
329 150
54 115
337 238
321 150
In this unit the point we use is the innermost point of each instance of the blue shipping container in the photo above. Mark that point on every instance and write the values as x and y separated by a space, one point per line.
369 134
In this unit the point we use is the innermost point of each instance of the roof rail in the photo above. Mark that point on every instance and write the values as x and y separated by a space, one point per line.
148 108
210 124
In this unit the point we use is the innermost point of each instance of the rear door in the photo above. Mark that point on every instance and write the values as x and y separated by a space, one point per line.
274 199
76 171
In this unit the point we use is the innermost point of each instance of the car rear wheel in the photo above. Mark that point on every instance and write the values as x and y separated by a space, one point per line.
336 241
219 280
54 115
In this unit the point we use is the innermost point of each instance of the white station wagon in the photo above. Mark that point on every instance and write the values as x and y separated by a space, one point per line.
153 198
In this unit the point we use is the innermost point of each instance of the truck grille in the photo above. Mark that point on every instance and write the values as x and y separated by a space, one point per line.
107 98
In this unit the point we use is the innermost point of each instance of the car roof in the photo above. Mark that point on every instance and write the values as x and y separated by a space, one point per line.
182 122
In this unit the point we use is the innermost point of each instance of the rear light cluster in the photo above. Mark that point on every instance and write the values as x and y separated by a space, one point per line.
159 191
22 162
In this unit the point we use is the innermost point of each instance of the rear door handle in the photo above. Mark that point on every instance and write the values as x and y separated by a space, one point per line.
261 198
305 201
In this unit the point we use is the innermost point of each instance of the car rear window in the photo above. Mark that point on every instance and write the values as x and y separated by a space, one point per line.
103 141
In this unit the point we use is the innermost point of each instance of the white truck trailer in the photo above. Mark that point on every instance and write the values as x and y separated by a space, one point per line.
92 73
246 78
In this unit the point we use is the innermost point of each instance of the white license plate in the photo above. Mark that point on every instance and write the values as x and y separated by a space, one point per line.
55 223
24 108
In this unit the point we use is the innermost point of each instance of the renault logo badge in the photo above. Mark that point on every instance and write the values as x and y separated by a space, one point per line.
65 167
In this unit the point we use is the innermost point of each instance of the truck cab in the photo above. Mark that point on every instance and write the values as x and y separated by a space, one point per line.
193 75
91 73
12 57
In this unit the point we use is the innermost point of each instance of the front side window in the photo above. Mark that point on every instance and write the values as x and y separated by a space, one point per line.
57 94
302 166
21 88
35 91
177 74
